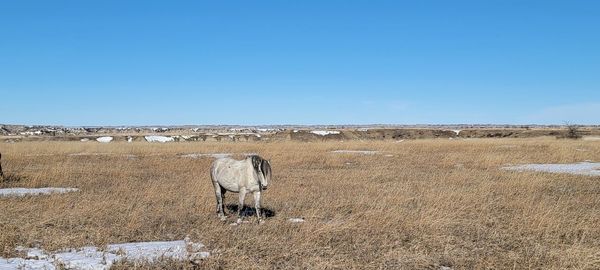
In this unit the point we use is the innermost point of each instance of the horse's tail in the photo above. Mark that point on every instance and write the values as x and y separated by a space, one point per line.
213 178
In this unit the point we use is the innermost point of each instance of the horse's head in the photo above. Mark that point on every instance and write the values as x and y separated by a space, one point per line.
262 167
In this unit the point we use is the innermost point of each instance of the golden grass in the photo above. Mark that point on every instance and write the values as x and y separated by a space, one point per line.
433 203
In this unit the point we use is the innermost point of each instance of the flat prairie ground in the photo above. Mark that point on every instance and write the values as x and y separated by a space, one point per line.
416 204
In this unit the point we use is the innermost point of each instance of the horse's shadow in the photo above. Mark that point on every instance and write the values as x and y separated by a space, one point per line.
250 211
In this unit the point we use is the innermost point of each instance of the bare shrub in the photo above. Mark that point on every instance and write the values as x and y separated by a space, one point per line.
573 131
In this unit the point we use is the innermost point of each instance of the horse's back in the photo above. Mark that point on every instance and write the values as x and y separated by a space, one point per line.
227 172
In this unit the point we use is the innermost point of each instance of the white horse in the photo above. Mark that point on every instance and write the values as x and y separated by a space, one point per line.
251 174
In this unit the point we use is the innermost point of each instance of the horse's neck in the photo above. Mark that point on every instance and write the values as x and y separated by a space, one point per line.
250 173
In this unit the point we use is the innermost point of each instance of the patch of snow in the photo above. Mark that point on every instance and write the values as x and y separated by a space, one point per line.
363 152
362 129
88 154
240 222
201 155
389 155
325 132
85 258
129 139
19 263
150 251
399 141
457 131
105 139
20 192
161 139
92 258
296 220
295 131
582 168
268 129
85 140
39 155
33 253
31 133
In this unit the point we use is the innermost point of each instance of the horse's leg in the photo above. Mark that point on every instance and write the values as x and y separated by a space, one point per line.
219 195
223 190
241 204
257 206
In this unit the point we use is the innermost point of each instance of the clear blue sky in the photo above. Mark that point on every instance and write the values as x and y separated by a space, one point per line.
299 62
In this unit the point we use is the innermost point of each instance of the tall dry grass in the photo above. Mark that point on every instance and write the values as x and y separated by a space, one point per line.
432 203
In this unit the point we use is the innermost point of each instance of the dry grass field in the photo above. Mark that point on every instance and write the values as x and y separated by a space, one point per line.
417 204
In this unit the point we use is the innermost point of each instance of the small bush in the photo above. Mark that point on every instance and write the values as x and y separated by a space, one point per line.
573 131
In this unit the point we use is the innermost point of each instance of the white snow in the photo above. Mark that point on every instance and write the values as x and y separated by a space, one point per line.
581 168
88 154
362 129
129 139
85 140
31 133
19 263
325 132
232 135
457 131
150 251
85 258
268 129
33 253
20 192
161 139
104 139
201 155
363 152
296 220
92 258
